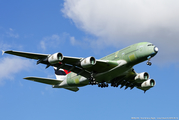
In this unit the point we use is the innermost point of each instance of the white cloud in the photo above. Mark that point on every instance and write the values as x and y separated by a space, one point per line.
52 41
43 45
83 44
74 42
4 46
11 33
12 65
118 22
11 29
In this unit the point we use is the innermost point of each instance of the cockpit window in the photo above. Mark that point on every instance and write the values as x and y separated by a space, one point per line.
150 45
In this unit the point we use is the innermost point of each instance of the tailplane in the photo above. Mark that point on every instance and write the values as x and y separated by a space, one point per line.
44 80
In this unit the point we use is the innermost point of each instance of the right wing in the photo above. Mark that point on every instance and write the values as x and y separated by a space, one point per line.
36 56
69 63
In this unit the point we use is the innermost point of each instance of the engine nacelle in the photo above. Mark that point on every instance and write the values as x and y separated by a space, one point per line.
148 83
55 58
88 62
140 77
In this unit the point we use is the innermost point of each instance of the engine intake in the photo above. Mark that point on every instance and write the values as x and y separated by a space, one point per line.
140 77
88 62
55 58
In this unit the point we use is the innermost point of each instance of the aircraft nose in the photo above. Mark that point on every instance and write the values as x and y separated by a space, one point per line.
156 49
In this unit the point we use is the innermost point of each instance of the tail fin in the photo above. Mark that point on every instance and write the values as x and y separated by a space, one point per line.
60 74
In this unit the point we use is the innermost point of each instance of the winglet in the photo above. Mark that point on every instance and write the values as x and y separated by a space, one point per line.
3 52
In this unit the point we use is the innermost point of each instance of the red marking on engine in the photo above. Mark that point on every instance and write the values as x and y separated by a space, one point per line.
66 71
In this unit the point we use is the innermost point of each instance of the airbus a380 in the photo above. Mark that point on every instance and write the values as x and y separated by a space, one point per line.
115 69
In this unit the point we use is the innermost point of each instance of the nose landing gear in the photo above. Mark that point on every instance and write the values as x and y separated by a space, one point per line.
148 62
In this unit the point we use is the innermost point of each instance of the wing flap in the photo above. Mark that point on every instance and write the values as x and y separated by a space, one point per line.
44 80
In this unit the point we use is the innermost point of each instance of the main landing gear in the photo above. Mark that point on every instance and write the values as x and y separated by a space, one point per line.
92 80
148 62
103 85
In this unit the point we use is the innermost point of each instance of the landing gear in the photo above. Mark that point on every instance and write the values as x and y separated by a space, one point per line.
102 85
148 62
114 84
92 80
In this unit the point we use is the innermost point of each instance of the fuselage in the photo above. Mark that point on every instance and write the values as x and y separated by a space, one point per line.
125 58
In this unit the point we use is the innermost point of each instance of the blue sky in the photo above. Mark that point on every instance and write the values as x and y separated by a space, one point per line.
81 29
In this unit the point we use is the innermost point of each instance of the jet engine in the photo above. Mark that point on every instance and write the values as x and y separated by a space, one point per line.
55 58
88 62
148 83
140 77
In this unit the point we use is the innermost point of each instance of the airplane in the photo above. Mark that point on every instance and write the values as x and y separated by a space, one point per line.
115 69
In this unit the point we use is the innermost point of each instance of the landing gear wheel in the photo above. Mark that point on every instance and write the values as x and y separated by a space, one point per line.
149 63
102 85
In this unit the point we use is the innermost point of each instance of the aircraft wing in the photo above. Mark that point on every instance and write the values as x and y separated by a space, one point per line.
68 63
27 54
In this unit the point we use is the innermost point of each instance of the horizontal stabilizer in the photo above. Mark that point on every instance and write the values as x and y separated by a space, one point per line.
44 80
